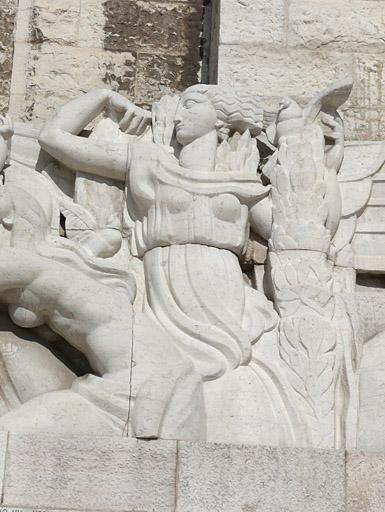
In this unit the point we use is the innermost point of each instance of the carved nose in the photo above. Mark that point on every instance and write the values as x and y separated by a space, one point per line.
178 117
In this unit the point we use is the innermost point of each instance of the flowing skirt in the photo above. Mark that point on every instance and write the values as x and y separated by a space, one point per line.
199 295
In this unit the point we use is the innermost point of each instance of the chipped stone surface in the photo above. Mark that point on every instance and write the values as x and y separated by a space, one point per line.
7 21
365 482
102 473
55 22
165 36
259 479
151 25
159 74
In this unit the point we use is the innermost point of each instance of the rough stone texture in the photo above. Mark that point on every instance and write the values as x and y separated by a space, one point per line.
273 74
89 473
365 482
262 22
139 48
300 45
7 21
342 25
259 479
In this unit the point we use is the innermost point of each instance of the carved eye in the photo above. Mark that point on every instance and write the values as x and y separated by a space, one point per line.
190 103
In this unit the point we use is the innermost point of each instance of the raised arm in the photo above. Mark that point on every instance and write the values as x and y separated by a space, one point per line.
60 139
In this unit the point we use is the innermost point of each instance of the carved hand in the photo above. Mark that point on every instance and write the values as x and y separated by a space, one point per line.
131 119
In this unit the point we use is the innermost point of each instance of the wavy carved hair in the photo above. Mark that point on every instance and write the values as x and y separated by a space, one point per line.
235 111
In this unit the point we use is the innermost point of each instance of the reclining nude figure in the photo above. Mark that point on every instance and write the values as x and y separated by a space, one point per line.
39 287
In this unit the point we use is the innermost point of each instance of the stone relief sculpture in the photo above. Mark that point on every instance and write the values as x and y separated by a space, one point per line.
201 258
306 213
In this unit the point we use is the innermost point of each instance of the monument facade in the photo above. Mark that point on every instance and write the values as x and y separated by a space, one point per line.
191 277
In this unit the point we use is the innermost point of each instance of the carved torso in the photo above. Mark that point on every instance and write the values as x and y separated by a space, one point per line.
173 205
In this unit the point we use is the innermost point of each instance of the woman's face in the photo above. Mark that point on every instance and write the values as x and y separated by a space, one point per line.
195 117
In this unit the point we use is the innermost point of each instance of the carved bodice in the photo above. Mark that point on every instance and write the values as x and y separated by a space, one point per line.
173 205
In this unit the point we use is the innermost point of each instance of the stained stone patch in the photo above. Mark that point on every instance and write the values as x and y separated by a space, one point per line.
164 35
7 25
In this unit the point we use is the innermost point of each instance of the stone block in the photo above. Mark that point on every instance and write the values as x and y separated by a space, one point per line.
253 22
242 478
278 73
365 482
151 25
344 25
89 473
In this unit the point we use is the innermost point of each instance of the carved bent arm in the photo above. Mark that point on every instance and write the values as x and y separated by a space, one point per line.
60 139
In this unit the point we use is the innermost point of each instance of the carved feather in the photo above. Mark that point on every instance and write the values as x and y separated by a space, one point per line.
239 154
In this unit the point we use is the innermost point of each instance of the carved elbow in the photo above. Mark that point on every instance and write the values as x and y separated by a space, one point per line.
47 138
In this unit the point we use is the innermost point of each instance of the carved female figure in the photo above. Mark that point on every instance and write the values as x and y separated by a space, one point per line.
191 216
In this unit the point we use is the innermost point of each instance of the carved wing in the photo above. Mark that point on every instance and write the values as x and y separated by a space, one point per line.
328 100
356 184
355 180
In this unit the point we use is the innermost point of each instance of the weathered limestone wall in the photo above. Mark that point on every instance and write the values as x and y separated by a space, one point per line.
295 47
136 47
84 474
141 47
7 22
